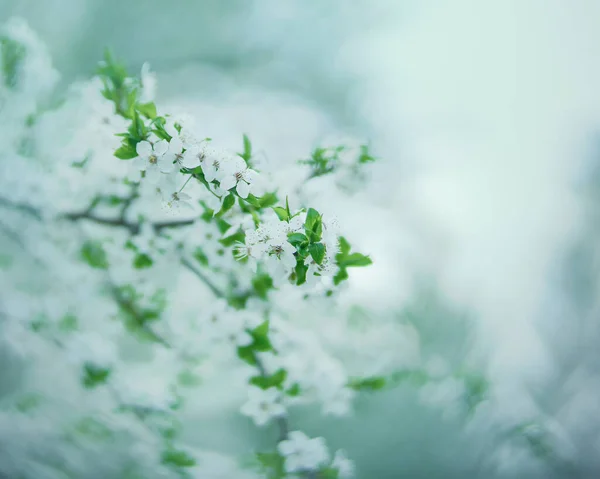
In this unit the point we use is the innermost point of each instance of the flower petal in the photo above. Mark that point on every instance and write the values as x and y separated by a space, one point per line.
143 149
165 163
190 158
228 182
140 163
243 189
175 146
161 147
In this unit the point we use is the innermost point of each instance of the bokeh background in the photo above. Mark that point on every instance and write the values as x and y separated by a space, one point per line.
481 215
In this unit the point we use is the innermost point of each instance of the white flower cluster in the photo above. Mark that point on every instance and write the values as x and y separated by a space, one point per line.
303 454
160 160
269 244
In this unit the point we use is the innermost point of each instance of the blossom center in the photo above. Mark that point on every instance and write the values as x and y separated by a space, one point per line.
152 159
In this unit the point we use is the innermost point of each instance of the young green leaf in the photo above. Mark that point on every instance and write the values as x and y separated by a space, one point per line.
317 251
93 254
281 213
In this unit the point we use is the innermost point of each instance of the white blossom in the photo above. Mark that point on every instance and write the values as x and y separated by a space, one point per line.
235 173
152 159
343 464
302 453
263 405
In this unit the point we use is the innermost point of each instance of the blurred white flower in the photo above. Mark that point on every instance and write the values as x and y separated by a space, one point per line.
263 405
343 464
235 173
302 453
152 159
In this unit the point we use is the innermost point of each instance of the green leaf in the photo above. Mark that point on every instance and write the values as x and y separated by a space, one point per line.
177 458
262 283
12 54
365 156
328 473
344 247
142 261
282 213
147 109
126 152
373 383
297 239
246 354
68 323
201 257
93 254
266 200
94 376
28 402
265 382
271 464
228 203
317 251
313 225
187 378
247 154
356 259
300 271
92 428
294 390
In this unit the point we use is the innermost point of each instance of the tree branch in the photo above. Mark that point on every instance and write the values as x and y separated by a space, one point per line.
216 291
134 228
23 207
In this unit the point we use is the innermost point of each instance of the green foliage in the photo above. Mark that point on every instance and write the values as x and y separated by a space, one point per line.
177 458
345 259
142 260
247 153
317 251
261 284
297 239
188 378
137 313
94 376
300 271
313 226
228 203
294 390
93 254
92 428
324 161
68 323
12 54
147 109
271 464
328 473
28 402
416 377
476 386
126 151
373 383
365 156
281 213
275 380
260 343
200 256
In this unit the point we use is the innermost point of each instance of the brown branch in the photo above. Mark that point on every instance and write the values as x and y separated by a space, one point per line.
134 228
23 207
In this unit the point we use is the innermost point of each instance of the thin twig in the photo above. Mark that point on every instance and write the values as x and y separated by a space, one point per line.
216 291
134 228
23 207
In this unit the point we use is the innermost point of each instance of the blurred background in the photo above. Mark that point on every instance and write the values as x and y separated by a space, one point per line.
481 216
